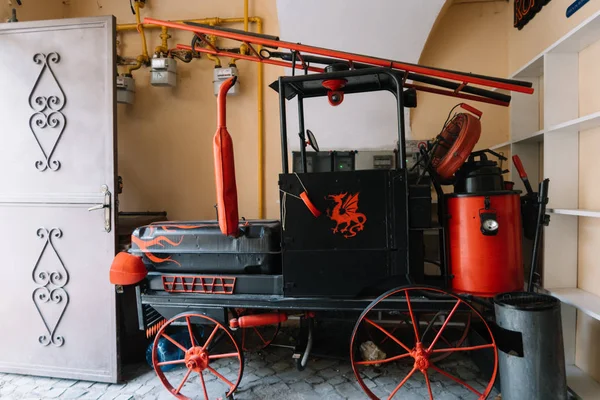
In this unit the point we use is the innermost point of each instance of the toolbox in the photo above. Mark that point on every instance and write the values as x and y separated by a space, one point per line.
199 246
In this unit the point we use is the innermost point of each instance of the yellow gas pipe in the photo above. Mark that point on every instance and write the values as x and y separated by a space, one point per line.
261 165
143 58
260 80
213 40
243 47
164 44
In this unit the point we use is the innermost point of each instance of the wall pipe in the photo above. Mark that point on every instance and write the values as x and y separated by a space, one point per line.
260 82
213 40
205 21
164 46
243 47
261 151
138 26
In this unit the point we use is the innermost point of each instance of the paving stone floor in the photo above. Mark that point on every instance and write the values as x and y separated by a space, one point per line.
268 375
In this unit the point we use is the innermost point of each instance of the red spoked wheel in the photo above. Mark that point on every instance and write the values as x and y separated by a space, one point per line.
399 324
215 349
417 353
461 323
257 337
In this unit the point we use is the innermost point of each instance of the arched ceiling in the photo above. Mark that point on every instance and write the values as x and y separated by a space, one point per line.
384 28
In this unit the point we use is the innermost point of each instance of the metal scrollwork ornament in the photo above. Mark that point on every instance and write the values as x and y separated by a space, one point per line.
47 117
51 289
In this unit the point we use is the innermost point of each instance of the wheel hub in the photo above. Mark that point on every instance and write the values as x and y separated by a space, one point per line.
421 357
196 359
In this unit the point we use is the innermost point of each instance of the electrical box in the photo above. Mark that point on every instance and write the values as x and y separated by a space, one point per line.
125 89
222 74
324 161
163 72
387 159
343 160
375 159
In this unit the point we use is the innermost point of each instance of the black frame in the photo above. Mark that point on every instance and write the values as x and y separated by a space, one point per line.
292 86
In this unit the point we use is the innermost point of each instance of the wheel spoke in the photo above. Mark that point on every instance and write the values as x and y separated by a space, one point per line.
203 385
388 334
394 329
226 355
455 379
212 334
402 383
221 377
412 317
187 374
160 364
385 360
442 337
189 325
260 336
170 339
444 325
428 384
472 348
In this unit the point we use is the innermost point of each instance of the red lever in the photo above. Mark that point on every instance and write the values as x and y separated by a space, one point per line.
471 109
519 166
522 173
309 204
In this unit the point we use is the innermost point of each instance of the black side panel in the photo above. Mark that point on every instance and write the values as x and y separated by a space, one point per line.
354 208
333 273
358 241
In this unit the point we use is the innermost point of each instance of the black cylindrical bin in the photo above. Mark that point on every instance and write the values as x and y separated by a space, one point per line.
535 370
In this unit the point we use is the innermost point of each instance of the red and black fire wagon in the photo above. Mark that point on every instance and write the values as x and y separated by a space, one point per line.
349 245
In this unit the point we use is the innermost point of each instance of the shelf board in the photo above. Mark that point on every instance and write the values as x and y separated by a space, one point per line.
579 37
533 69
500 145
586 302
584 123
576 212
529 138
534 137
581 383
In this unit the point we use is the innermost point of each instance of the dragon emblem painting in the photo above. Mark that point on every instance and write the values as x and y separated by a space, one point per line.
345 214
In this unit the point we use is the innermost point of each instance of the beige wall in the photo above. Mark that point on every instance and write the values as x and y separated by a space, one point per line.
32 10
468 37
544 29
165 137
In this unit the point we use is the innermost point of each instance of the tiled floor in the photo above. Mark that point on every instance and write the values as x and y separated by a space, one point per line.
268 375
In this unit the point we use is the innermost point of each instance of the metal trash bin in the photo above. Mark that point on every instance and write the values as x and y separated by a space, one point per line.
533 367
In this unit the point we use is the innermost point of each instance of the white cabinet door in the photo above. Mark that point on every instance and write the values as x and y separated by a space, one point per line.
57 161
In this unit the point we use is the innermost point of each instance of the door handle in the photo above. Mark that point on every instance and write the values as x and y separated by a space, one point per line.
106 207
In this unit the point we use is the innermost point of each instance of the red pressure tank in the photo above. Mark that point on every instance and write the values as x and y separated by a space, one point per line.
484 232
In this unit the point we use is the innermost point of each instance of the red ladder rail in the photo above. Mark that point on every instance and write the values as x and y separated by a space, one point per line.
252 39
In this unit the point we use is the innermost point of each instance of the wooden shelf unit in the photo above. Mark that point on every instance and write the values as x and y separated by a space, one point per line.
544 132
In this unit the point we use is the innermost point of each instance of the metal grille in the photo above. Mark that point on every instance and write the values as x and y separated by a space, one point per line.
199 284
527 301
